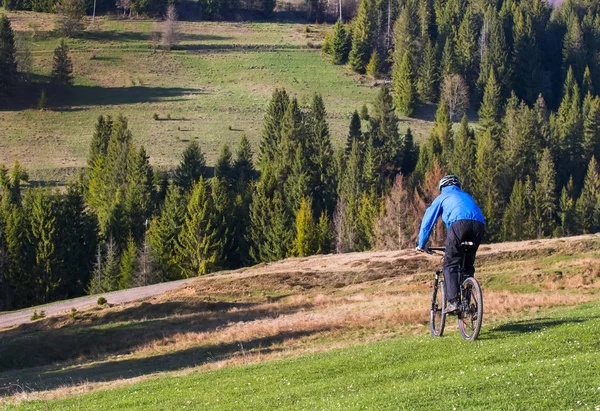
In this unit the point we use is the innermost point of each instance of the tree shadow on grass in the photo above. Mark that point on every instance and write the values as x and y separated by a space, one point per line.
124 36
95 335
529 326
55 376
80 97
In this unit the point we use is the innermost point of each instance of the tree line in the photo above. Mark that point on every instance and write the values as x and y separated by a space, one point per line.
432 49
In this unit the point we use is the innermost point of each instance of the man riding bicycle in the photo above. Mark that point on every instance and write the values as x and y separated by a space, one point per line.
465 222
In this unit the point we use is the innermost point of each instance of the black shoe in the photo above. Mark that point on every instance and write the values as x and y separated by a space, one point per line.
451 307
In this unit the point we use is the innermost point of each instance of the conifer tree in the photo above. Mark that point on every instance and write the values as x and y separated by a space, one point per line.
515 215
305 243
324 178
410 153
163 233
404 86
277 233
191 168
293 135
110 268
368 210
545 195
128 264
225 221
566 210
574 48
139 193
324 234
145 274
463 155
489 112
341 43
8 65
449 63
494 52
591 133
427 82
243 166
466 46
271 135
526 65
355 133
587 212
21 254
442 132
62 66
485 183
373 68
349 195
43 230
588 85
100 139
198 247
363 36
224 166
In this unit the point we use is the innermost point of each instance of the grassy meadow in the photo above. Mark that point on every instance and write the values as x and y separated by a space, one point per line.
212 87
353 328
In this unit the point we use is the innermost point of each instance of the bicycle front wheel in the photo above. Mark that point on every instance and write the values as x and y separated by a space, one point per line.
471 315
437 318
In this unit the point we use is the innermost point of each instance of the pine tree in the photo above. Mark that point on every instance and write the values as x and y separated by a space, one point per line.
363 36
243 166
62 66
324 178
463 155
354 134
494 51
587 214
410 153
324 234
449 63
441 134
545 194
427 82
191 168
515 215
224 221
163 233
466 46
271 233
574 48
340 44
526 65
404 86
293 136
591 133
198 246
21 255
305 243
8 65
139 193
368 210
128 264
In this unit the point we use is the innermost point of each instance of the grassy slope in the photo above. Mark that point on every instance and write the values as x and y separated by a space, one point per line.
215 86
545 363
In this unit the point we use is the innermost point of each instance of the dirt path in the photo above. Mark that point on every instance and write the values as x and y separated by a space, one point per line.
351 262
117 297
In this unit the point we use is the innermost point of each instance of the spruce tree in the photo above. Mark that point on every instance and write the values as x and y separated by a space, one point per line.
587 84
100 139
191 168
198 247
298 184
545 195
485 184
368 210
427 81
591 133
305 242
128 264
271 135
566 210
324 178
224 221
489 112
404 86
139 193
574 47
410 153
441 134
355 133
449 63
21 255
8 65
494 52
43 230
278 234
373 68
587 212
243 166
62 66
515 215
467 46
463 155
163 233
324 234
526 65
363 36
224 166
340 44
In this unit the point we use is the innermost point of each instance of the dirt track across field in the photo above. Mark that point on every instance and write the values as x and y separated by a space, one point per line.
330 264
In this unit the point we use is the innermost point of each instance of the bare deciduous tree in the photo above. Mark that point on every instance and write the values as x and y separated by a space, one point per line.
397 227
145 273
23 55
455 93
71 17
170 28
344 229
124 5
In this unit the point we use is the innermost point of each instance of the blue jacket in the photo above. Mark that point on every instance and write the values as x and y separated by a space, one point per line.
453 204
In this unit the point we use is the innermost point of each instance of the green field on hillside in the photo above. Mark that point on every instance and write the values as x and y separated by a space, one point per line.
548 362
212 87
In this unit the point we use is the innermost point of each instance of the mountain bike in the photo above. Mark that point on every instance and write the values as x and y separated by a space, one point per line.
470 307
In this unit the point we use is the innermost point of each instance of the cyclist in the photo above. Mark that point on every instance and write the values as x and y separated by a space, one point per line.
464 221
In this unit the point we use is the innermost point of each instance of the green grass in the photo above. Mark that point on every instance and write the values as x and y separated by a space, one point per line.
550 362
221 76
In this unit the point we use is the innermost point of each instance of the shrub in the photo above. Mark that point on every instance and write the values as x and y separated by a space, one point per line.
155 116
37 316
42 101
73 314
102 301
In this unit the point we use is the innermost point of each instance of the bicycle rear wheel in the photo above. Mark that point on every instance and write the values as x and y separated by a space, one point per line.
471 316
437 318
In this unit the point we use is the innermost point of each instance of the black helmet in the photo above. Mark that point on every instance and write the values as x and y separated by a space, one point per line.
450 180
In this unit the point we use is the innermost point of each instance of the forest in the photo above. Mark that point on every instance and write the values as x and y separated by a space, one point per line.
529 161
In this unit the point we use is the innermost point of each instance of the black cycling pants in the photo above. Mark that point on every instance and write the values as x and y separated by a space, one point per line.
460 231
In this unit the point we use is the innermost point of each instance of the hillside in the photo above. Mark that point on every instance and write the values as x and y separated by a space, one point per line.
292 308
